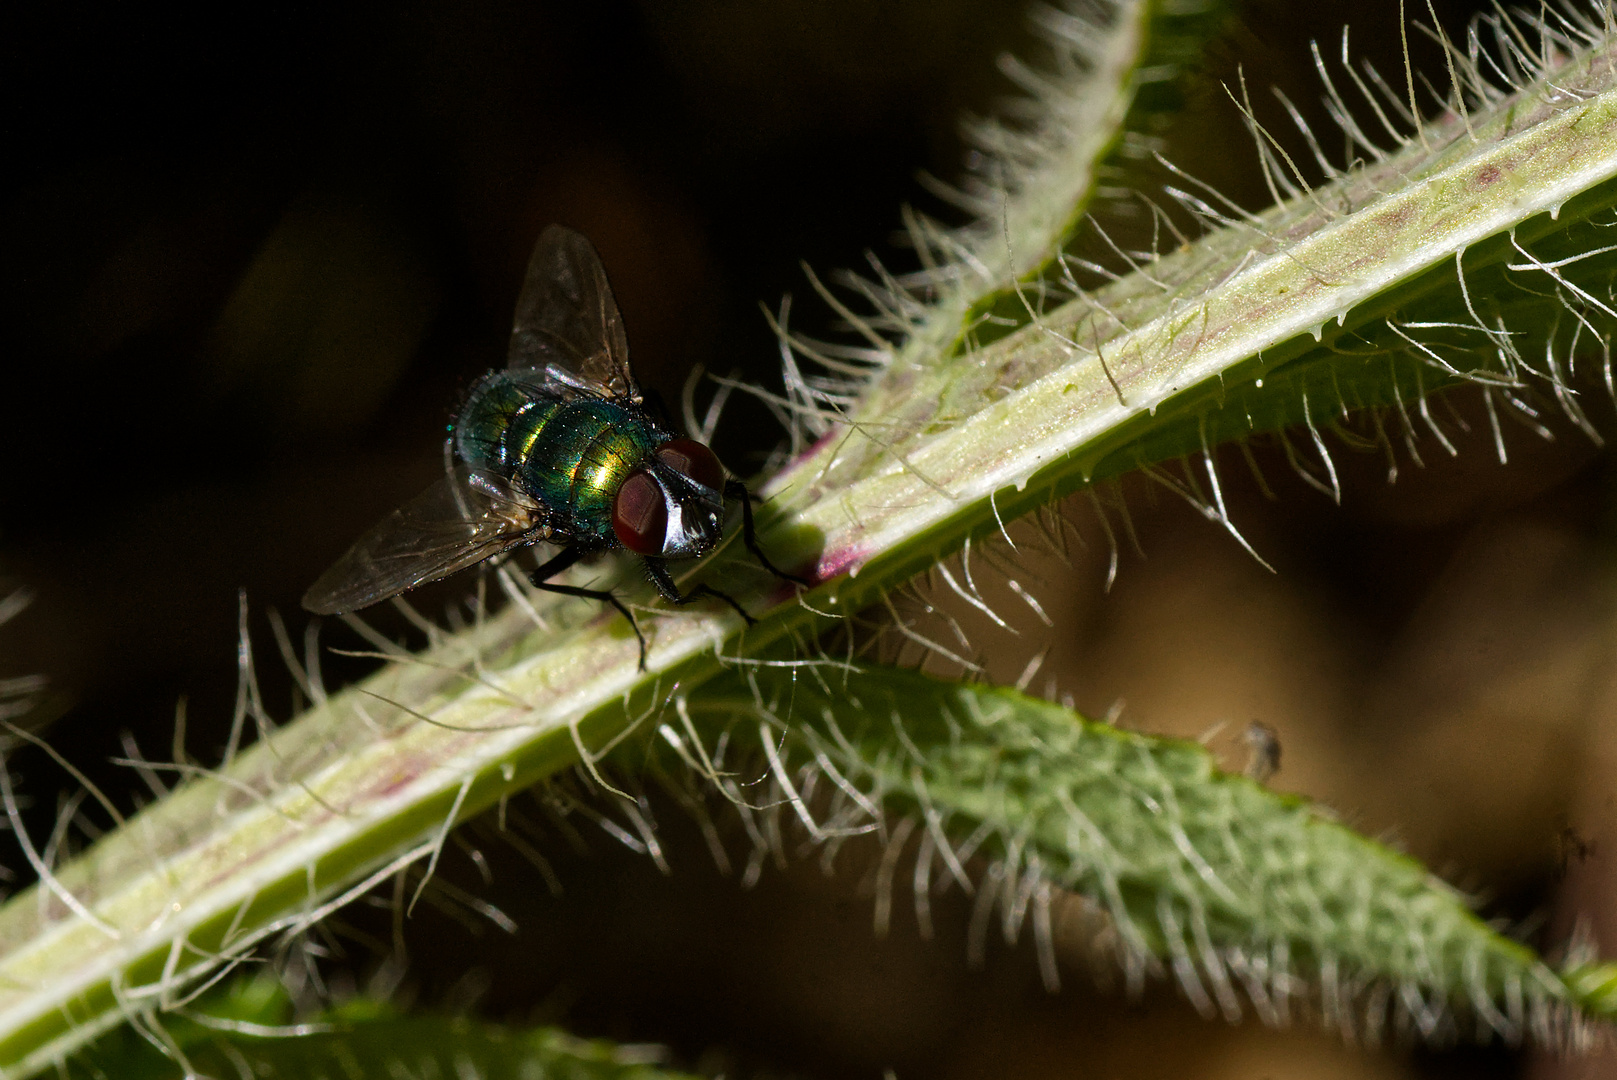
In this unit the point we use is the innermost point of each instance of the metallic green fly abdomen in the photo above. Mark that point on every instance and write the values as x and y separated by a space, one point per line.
571 455
558 447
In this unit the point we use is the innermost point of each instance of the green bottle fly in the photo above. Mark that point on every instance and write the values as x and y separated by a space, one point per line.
559 446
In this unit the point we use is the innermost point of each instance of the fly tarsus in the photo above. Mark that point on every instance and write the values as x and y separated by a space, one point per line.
735 489
567 558
665 585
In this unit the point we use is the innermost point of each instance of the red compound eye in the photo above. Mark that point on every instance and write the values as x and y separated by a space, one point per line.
639 515
690 458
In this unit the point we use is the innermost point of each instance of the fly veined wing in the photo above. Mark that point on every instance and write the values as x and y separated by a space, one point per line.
461 520
567 321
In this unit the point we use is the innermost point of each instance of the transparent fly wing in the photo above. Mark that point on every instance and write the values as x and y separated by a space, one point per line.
459 521
568 323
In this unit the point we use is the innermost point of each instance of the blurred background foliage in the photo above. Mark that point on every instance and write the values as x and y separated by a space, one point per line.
250 256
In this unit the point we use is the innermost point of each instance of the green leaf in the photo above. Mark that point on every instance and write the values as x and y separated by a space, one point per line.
1251 900
245 1031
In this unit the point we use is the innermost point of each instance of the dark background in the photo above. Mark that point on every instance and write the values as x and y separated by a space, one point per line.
251 256
251 261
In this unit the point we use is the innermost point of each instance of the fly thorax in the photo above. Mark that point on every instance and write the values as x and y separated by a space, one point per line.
607 445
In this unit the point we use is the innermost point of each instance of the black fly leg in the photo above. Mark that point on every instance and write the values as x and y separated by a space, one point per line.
567 557
658 572
735 489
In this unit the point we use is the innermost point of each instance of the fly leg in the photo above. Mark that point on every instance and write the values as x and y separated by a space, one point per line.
567 557
658 572
735 489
